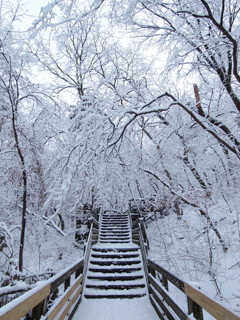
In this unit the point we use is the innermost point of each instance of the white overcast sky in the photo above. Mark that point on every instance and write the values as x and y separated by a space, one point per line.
33 8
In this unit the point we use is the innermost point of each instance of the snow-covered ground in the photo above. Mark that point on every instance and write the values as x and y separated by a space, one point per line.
188 247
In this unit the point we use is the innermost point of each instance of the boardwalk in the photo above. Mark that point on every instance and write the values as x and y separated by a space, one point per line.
115 286
115 281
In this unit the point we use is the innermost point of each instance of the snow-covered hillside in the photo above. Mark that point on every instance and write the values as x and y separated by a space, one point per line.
189 248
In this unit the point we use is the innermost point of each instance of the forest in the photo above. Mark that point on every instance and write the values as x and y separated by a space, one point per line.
103 101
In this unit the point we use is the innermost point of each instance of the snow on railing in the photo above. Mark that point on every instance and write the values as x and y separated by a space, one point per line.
36 300
197 301
144 247
88 247
164 301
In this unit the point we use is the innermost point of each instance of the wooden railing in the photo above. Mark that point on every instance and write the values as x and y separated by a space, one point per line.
58 291
36 301
197 301
87 248
67 296
139 236
92 222
144 247
158 285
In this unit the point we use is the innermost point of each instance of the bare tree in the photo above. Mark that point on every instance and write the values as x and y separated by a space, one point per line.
18 97
205 36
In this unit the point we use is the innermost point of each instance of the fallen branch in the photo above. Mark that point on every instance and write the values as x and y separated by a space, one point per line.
18 288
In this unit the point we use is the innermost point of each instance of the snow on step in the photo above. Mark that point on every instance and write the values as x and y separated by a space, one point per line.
115 268
115 228
117 309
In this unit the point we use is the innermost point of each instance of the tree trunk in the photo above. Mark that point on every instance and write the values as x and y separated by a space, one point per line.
24 194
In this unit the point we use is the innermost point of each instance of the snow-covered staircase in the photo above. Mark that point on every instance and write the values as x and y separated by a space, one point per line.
115 228
115 268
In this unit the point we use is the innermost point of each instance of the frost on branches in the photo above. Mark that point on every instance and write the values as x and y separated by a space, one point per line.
106 101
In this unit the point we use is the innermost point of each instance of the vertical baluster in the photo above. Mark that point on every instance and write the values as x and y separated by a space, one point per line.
152 271
78 272
165 282
195 309
67 283
39 310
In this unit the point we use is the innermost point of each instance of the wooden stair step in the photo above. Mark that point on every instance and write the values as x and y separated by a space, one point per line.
115 256
116 296
115 220
110 228
114 270
111 216
109 234
115 278
113 263
115 250
120 241
115 236
116 231
114 225
116 286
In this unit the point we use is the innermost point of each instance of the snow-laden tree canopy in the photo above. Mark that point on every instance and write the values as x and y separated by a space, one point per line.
106 101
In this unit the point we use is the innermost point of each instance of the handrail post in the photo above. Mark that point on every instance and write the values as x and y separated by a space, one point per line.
39 310
130 219
67 283
78 272
143 229
152 271
165 282
99 224
195 309
89 223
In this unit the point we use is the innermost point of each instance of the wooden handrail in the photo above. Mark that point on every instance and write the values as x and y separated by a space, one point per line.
36 298
143 248
158 277
166 274
95 222
196 299
142 226
66 301
159 296
88 248
138 228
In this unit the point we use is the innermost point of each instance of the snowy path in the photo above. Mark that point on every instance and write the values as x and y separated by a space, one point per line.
116 309
115 286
